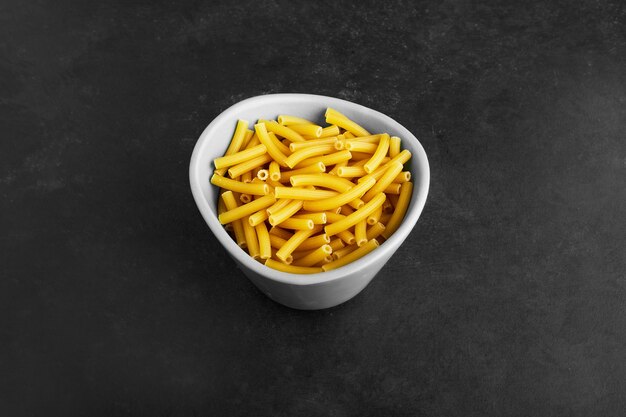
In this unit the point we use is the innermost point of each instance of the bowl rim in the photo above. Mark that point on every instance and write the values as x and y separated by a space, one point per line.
414 210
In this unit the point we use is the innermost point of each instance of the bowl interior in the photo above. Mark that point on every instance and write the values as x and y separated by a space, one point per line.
216 137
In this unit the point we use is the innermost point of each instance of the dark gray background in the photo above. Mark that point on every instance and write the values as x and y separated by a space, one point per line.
508 299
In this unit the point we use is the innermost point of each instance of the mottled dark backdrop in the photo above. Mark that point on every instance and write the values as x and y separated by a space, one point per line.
508 299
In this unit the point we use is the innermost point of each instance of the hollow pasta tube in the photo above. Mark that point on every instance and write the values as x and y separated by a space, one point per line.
339 200
360 232
283 131
379 154
247 209
272 149
352 219
239 157
394 146
335 118
236 141
392 171
300 193
400 209
231 203
251 238
352 256
240 169
292 269
294 241
265 248
317 256
240 187
286 212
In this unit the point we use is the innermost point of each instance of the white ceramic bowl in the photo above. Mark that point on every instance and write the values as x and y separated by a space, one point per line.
314 291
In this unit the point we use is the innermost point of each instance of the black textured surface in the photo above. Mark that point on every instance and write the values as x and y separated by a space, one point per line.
508 299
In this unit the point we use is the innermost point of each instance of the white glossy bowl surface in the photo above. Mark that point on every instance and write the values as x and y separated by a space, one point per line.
314 291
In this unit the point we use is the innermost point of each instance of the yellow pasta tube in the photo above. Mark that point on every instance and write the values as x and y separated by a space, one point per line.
284 147
246 177
402 157
351 172
336 118
292 269
356 146
299 193
294 241
283 131
404 176
387 206
236 141
314 242
286 212
377 157
375 231
246 209
258 217
337 166
274 171
297 224
339 200
221 206
321 180
315 257
263 174
384 219
330 159
249 165
403 203
352 219
231 203
314 168
307 130
316 218
272 149
286 120
375 216
347 236
367 139
339 253
394 199
393 188
318 150
277 231
296 146
394 146
276 241
345 210
254 141
333 217
279 204
330 131
265 248
348 135
392 171
352 256
245 198
239 157
247 137
336 244
251 238
360 232
240 187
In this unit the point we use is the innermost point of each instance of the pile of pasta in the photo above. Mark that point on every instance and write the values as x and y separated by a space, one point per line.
304 199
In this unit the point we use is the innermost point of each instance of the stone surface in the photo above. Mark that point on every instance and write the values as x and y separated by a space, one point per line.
508 299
